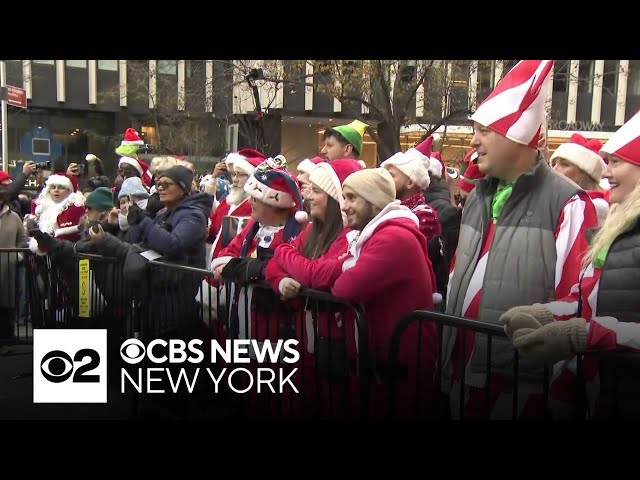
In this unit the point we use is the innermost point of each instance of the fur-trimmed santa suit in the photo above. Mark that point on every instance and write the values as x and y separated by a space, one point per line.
58 219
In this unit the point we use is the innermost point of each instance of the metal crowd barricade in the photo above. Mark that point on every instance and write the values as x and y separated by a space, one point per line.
615 394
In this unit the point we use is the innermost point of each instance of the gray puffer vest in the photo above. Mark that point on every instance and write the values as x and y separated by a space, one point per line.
522 261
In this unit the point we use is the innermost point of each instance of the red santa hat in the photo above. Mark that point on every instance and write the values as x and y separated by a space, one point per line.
5 176
131 137
141 167
515 107
70 182
276 187
414 164
582 153
330 175
246 159
625 143
465 182
308 164
436 166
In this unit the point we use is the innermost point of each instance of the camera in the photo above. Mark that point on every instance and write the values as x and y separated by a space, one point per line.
44 165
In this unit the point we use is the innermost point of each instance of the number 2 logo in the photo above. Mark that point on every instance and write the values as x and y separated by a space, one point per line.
57 366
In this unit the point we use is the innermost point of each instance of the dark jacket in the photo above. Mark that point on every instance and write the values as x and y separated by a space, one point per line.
12 191
442 248
180 234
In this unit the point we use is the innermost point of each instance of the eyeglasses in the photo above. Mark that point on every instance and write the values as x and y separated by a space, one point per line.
164 185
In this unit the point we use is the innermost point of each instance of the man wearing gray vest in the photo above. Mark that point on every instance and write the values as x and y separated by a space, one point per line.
522 239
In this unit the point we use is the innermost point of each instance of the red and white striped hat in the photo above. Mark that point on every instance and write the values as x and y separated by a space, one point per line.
515 108
625 143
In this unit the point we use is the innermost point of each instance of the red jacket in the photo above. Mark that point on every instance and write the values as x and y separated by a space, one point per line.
243 209
391 275
289 262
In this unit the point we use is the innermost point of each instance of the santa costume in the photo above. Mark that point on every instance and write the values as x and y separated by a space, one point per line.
414 163
245 160
58 219
585 155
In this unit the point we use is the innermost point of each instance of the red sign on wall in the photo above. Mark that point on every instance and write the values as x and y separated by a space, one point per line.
16 96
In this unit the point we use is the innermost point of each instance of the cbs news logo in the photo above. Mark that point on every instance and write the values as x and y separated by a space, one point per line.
69 366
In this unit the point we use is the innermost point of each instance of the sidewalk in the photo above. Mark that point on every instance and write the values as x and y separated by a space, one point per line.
16 394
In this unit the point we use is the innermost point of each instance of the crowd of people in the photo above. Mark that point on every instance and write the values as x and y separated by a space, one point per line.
543 245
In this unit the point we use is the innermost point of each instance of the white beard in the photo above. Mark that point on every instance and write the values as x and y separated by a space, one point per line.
47 210
236 196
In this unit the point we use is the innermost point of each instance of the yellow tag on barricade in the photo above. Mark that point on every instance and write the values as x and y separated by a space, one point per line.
84 294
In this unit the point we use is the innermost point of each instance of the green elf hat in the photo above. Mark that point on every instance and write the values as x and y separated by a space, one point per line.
353 133
130 144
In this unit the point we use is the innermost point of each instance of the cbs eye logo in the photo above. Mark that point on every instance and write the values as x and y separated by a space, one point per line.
57 366
132 351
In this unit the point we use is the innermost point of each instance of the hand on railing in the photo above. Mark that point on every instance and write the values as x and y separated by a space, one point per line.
553 342
289 288
525 316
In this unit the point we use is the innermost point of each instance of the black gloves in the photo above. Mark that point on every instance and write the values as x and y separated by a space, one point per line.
135 215
244 270
45 241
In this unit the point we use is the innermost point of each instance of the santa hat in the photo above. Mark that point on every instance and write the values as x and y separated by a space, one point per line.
70 182
329 177
141 167
4 176
308 164
353 133
625 143
465 182
131 137
279 188
414 164
515 107
246 160
435 166
582 153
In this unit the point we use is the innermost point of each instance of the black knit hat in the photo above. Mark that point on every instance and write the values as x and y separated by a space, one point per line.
181 175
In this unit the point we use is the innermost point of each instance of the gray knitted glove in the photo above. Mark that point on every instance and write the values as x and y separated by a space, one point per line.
526 316
552 342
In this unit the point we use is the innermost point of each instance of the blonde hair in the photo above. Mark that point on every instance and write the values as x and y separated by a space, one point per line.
186 164
621 216
162 163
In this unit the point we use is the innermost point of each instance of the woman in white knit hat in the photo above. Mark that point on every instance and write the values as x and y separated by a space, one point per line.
579 160
293 266
601 313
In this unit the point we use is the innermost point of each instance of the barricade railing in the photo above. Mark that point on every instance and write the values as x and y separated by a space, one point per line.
331 375
15 292
590 385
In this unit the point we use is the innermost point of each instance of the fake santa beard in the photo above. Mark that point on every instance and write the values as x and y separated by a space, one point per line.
48 211
236 196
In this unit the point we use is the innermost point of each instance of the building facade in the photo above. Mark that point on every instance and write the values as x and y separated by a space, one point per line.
202 108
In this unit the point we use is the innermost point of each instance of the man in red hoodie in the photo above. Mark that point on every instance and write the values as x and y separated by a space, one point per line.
389 272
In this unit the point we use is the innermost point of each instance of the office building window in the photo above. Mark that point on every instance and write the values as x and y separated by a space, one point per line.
561 75
168 67
111 65
45 62
633 81
610 77
77 63
585 76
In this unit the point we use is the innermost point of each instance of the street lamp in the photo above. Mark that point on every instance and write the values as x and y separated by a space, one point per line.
252 77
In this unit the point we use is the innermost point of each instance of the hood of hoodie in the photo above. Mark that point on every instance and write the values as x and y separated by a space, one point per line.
394 214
